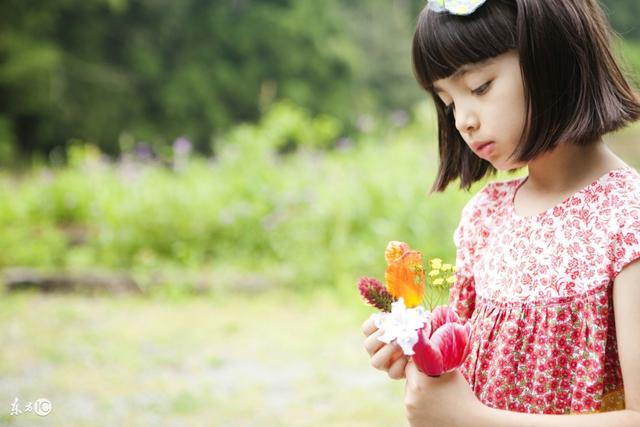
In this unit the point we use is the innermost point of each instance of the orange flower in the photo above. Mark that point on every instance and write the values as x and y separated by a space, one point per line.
395 250
405 277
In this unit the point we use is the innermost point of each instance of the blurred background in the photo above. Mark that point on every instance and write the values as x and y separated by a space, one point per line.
189 191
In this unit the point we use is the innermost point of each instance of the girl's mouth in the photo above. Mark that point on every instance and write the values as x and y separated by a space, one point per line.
485 150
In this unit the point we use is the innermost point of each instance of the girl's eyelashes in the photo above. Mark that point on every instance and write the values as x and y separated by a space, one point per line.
478 91
482 89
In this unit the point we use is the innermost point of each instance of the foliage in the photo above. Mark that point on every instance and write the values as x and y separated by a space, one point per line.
113 71
623 16
285 127
313 217
99 71
628 54
278 206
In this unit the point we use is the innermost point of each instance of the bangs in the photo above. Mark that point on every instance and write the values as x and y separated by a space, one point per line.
574 90
444 42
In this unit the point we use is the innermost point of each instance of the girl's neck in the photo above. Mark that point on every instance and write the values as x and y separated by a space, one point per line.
570 166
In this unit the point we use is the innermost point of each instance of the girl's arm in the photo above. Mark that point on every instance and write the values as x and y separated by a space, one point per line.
448 401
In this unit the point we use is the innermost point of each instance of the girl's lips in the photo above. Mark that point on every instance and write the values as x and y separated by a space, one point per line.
485 150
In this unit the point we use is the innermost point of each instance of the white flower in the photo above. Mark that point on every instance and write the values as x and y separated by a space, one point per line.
402 325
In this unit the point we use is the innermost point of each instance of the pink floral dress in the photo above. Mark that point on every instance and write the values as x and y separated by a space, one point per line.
538 291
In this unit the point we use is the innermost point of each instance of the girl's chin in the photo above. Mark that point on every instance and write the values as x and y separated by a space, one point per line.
498 166
508 167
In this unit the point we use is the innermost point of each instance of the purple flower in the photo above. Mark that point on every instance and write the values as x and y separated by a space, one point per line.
399 118
182 146
144 152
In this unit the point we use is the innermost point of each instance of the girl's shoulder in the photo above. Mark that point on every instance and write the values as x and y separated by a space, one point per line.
621 189
616 188
624 180
491 198
498 191
495 193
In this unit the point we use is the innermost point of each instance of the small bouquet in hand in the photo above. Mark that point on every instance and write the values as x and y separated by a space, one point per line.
435 337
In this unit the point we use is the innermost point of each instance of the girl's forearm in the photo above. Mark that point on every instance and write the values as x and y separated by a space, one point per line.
490 417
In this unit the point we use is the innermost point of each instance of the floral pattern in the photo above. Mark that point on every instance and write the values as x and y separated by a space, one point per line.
539 293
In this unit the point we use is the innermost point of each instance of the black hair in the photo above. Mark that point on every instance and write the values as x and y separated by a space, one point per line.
574 89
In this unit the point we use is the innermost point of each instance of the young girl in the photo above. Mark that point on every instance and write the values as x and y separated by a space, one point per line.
546 271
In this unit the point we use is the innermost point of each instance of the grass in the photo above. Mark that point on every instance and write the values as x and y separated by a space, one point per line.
234 360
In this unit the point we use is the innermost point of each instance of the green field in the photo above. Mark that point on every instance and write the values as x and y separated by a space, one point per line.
237 360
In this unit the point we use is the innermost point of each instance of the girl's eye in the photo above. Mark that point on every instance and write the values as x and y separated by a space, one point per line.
478 91
482 89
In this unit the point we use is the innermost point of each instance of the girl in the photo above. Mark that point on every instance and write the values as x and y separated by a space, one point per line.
546 271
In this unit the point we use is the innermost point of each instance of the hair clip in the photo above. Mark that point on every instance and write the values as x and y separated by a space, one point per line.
455 7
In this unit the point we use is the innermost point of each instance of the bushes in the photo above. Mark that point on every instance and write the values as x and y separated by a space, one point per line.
302 219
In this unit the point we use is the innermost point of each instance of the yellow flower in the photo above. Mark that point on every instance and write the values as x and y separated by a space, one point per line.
434 273
451 279
446 267
436 263
405 277
438 282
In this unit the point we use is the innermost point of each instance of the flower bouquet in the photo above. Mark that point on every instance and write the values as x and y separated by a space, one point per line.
435 337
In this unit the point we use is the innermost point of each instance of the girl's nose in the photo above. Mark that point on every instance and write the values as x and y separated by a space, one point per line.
466 121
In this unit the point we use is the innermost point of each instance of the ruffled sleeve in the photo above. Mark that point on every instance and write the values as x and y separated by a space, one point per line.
625 241
462 295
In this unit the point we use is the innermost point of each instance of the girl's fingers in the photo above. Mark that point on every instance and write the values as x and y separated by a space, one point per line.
381 359
396 370
385 357
372 344
368 327
396 355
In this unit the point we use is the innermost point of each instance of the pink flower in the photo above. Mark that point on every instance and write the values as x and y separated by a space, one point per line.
442 344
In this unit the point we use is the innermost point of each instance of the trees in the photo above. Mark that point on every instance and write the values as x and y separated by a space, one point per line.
624 15
113 71
161 69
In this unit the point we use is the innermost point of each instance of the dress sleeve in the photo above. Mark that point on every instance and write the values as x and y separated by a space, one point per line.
625 242
462 295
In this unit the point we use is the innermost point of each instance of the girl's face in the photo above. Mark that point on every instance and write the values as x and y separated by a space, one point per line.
487 101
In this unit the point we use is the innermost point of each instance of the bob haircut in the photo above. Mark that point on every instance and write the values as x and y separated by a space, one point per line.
574 89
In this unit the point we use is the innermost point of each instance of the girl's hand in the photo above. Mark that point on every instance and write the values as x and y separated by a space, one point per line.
446 401
385 357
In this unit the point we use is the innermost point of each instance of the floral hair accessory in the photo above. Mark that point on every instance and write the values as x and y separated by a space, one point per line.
455 7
